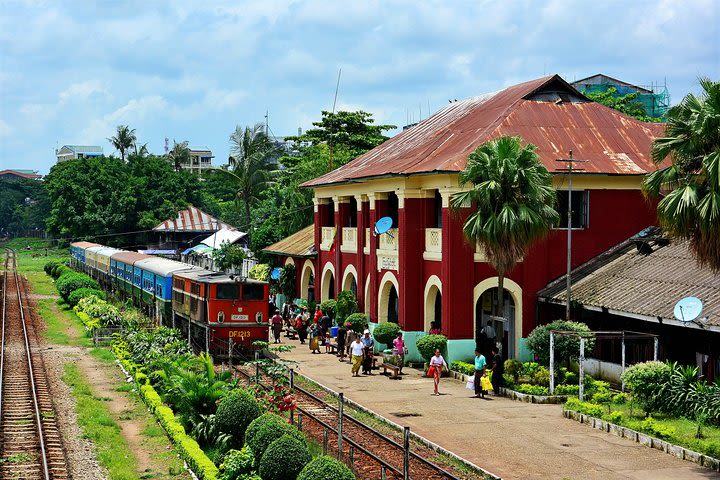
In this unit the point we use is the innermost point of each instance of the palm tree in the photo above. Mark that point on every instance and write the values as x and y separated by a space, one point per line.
513 200
690 185
123 140
251 169
180 155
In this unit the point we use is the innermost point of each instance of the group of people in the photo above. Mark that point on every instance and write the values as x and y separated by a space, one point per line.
497 367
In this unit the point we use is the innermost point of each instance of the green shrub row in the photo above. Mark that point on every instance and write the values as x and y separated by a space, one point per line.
463 367
56 268
81 293
70 281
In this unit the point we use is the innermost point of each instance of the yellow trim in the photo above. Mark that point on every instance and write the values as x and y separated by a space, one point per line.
350 269
325 286
515 291
433 281
388 280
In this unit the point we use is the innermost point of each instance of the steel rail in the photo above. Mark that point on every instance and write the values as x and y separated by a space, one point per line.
2 342
38 417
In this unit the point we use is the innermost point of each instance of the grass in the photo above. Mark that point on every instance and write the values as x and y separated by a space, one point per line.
59 317
98 426
41 252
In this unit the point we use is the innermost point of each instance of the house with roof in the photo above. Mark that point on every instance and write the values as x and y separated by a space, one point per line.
299 250
423 271
72 152
186 229
635 286
17 174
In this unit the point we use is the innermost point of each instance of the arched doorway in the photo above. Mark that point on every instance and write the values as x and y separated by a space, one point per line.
350 280
328 282
502 330
366 299
388 299
433 303
307 281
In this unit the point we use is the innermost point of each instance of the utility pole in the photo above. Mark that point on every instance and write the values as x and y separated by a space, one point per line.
332 119
570 161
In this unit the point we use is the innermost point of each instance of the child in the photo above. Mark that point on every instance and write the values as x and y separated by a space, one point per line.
327 343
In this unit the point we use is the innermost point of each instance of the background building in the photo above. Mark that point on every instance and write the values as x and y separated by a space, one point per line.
71 152
654 98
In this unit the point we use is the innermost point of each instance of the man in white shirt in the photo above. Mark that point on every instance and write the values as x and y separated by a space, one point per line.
356 349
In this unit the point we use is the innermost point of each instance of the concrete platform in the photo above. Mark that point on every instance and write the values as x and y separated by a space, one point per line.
512 439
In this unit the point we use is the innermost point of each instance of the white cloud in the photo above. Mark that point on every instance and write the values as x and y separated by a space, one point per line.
82 91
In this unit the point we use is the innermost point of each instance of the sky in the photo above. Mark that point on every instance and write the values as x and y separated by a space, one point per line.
72 71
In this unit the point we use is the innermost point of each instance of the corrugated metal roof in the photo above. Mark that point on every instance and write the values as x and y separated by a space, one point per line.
627 280
162 266
192 219
85 148
299 244
29 174
84 245
612 142
129 257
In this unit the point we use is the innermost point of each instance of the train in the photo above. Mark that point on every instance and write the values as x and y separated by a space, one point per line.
223 314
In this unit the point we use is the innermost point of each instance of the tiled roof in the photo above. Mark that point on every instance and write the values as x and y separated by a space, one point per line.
192 219
299 244
30 174
612 143
649 284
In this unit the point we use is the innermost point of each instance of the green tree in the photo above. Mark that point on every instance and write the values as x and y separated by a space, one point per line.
690 185
123 140
251 165
512 200
229 256
627 104
179 155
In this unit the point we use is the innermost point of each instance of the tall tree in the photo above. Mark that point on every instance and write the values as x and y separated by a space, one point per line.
627 104
251 165
123 140
179 155
690 185
512 200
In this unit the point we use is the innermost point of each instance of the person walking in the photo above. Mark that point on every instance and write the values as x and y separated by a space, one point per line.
318 314
368 344
314 341
437 363
277 324
480 364
300 328
341 335
325 324
287 311
399 351
498 369
357 351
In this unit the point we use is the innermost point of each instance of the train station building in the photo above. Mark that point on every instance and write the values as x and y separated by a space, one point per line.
423 270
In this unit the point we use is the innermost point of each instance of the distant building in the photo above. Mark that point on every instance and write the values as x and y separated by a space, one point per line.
200 159
72 152
187 229
19 174
655 98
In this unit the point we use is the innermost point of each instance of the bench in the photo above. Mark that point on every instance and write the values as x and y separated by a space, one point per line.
291 333
333 347
395 370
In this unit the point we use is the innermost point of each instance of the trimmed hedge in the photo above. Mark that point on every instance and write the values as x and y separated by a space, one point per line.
429 343
284 459
463 367
235 412
81 293
266 429
71 281
358 322
386 332
325 468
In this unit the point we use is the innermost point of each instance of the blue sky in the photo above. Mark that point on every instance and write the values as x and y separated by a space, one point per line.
70 72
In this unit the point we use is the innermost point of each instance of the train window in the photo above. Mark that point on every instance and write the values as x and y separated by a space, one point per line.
227 291
178 283
195 288
159 290
193 304
179 297
253 292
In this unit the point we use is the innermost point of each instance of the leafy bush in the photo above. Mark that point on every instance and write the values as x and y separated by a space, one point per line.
325 468
284 459
652 427
567 390
346 305
235 412
614 417
59 270
266 429
81 293
645 381
566 348
463 367
587 408
620 399
530 368
541 377
571 378
513 367
328 307
237 463
287 281
533 389
429 343
358 322
386 332
96 308
71 281
49 266
261 271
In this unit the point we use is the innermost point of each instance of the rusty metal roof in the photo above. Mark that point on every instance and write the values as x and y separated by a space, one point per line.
84 245
648 284
129 257
612 142
192 219
299 244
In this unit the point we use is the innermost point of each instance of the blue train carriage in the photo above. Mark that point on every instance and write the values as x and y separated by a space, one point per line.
77 254
123 263
102 264
156 284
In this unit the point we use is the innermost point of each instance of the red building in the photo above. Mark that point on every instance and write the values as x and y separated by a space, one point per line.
425 271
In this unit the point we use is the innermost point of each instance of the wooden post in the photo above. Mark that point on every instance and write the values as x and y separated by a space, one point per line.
622 385
552 363
581 393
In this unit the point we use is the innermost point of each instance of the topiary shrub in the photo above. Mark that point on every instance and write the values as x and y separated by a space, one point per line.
81 293
235 412
71 281
325 468
346 304
566 348
59 269
284 459
429 343
328 307
358 322
645 382
386 332
48 267
266 429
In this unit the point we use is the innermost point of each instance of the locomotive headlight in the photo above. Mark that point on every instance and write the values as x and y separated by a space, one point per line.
258 317
220 317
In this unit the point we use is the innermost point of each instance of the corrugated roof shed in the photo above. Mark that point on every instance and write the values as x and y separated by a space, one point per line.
299 244
626 280
192 219
547 112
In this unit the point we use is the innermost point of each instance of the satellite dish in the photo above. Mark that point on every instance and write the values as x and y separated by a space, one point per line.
688 309
383 226
275 274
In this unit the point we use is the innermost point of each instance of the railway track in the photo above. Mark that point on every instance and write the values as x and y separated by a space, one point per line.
372 453
30 442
